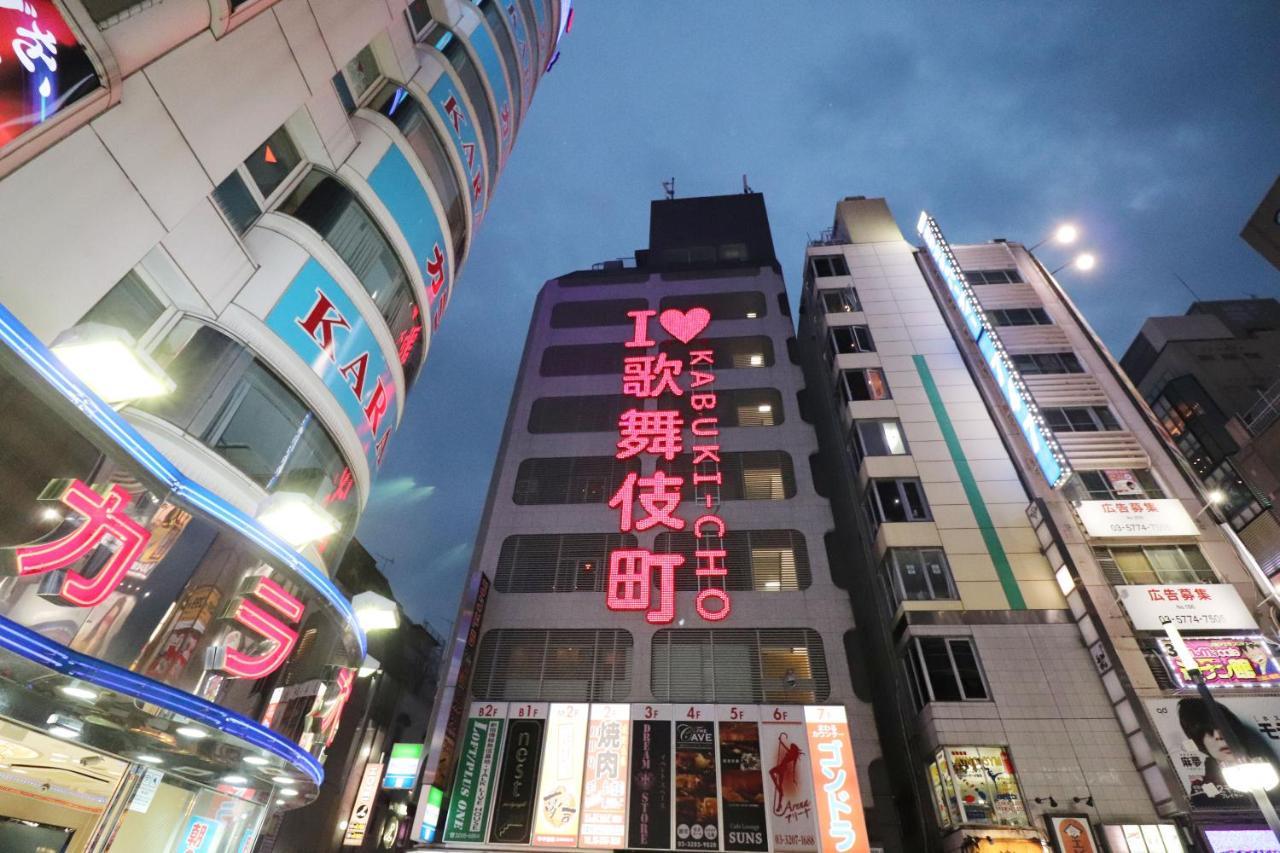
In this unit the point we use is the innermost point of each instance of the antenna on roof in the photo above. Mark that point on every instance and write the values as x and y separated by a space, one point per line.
1194 295
669 187
746 188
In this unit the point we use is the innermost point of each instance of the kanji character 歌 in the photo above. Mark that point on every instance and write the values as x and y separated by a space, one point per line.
650 376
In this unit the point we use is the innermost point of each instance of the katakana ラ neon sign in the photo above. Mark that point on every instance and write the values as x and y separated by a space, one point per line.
648 502
277 637
101 522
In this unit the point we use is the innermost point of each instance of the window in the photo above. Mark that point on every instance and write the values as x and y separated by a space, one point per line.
453 50
588 413
567 665
741 305
747 351
329 207
846 340
993 276
493 14
1018 317
250 189
975 785
756 560
419 17
557 562
876 438
840 301
752 475
1034 364
897 500
864 384
570 479
1154 564
735 407
739 665
582 359
1113 484
130 305
236 203
1080 419
396 103
273 162
361 73
916 574
825 266
944 669
602 312
1241 505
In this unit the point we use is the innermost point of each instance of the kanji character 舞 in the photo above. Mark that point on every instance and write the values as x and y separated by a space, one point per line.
657 432
659 497
630 583
647 376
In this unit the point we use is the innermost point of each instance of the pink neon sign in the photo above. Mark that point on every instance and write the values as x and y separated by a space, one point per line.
278 636
657 498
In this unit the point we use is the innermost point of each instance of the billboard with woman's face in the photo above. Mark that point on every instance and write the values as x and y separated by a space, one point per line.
1198 750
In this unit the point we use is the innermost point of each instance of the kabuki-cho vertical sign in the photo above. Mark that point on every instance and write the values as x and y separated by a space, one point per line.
648 502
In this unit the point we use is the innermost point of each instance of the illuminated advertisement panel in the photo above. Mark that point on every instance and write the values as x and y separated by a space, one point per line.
473 788
697 786
362 808
604 789
559 804
1225 661
784 746
1187 728
514 803
741 779
1044 446
842 827
43 67
649 810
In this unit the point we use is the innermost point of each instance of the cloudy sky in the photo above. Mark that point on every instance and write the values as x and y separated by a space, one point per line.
1154 127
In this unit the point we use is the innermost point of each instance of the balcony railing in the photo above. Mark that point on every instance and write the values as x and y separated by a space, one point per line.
1265 412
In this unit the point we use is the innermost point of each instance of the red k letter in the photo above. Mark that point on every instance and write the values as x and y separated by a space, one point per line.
319 324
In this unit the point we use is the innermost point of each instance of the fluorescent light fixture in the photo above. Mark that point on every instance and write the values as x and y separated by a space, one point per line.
375 612
369 666
80 693
255 760
234 780
289 792
764 408
756 360
150 759
1066 234
107 360
279 802
64 727
63 732
191 732
296 518
751 315
1066 583
1250 776
282 780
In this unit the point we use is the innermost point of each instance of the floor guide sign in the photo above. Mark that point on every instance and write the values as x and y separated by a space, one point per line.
657 777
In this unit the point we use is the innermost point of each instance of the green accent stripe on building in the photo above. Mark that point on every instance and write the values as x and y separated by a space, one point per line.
976 503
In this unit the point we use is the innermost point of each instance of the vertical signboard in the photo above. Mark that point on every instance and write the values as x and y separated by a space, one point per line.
604 787
518 781
560 780
842 826
358 823
43 66
473 785
402 766
784 746
451 107
649 809
741 782
697 800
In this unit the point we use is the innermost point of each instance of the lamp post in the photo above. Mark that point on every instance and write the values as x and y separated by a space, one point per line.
1083 262
1253 775
1064 234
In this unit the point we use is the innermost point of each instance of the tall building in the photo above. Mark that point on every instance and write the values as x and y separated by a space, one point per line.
1016 528
653 652
1212 377
270 202
1262 231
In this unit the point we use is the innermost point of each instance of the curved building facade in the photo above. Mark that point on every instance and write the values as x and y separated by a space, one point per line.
231 230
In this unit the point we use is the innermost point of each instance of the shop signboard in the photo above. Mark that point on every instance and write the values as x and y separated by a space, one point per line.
978 785
1246 661
697 800
1071 834
200 835
43 66
842 827
402 766
514 802
649 810
472 794
1241 839
1143 838
741 779
560 777
1191 738
604 787
462 680
452 108
1147 517
784 745
1192 607
361 809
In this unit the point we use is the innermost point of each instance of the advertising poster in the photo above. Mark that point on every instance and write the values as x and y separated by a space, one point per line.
1147 517
788 783
1225 661
697 794
604 789
842 826
559 803
985 785
1071 834
358 823
201 835
1197 750
741 782
518 781
649 816
473 784
1192 607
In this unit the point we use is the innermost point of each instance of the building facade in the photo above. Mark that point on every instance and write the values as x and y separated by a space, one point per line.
1017 528
1262 231
652 651
270 202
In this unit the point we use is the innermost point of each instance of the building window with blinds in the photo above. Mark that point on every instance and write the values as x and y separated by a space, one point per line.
558 562
735 407
753 475
728 353
739 665
738 305
1154 564
570 479
757 560
573 665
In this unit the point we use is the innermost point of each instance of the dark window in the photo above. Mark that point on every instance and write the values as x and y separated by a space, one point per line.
825 266
473 86
847 340
236 203
897 500
128 305
742 305
588 413
752 475
864 384
993 276
739 665
603 312
274 160
570 479
756 560
944 670
567 665
917 574
750 351
1018 317
557 562
876 438
419 18
502 37
1080 419
1154 564
1033 364
1113 484
582 359
843 300
362 72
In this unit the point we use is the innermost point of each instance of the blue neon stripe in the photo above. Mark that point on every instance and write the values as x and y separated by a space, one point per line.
56 656
29 348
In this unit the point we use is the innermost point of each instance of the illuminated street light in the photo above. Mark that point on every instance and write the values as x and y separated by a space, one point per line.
1250 776
107 360
1064 234
296 518
375 612
369 666
1083 262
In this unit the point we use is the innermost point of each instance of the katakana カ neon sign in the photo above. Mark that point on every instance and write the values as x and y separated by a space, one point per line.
648 502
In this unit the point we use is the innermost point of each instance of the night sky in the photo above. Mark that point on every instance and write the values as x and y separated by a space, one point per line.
1153 127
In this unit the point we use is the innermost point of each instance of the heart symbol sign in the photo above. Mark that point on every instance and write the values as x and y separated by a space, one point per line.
685 325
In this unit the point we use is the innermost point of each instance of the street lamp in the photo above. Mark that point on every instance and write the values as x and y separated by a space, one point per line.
1064 234
375 612
108 360
1083 262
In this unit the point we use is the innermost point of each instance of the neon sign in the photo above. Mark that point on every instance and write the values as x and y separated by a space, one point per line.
660 433
278 636
48 70
1044 446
